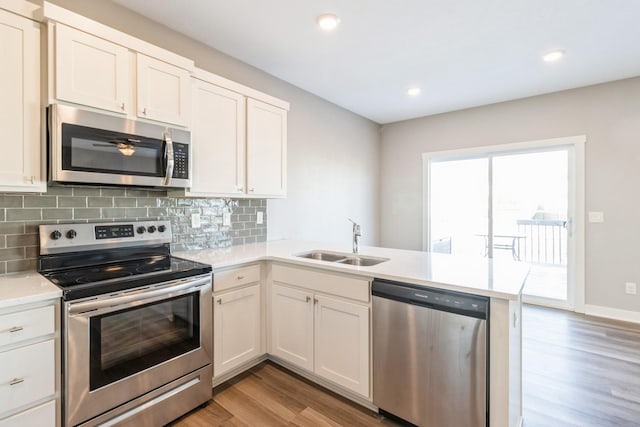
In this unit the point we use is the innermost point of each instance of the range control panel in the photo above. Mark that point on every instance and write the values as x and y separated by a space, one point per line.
57 238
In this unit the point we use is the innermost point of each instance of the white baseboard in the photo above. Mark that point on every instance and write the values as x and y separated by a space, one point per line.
612 313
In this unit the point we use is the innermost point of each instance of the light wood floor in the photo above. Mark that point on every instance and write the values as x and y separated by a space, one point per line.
577 371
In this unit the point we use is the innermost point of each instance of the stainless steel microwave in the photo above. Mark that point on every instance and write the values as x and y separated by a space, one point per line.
93 148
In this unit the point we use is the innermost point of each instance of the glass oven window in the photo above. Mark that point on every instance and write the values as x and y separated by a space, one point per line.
128 341
93 150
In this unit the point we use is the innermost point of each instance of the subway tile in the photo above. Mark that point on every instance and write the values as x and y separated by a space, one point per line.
57 190
121 202
237 241
3 241
72 202
10 201
237 225
156 212
166 202
57 213
134 192
24 214
11 254
33 227
135 212
262 238
256 203
147 202
20 240
86 213
257 232
100 202
22 265
11 228
86 191
2 213
113 213
31 252
249 240
40 201
3 267
113 192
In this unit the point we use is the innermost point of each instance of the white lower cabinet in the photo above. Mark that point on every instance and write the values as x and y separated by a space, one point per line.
292 325
342 343
237 328
29 366
325 335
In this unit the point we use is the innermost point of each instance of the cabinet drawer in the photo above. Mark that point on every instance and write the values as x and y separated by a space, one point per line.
236 277
41 416
348 287
27 375
24 325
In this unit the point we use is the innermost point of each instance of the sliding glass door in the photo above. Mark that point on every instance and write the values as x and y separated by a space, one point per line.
509 205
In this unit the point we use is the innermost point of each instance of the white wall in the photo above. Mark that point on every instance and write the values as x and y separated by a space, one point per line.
608 114
333 154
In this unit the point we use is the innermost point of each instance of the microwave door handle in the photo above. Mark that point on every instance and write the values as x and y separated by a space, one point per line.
168 158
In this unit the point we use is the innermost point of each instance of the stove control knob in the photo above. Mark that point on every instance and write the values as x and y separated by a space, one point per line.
55 235
71 234
141 230
151 229
162 228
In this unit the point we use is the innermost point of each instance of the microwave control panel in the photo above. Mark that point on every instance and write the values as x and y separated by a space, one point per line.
181 160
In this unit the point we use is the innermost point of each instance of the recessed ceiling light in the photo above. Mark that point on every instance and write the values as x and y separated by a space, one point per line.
413 91
553 55
328 21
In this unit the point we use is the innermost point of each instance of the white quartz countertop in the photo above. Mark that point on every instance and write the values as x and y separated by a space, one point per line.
25 288
479 276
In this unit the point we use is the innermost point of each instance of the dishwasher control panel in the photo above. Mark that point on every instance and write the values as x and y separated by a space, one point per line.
456 302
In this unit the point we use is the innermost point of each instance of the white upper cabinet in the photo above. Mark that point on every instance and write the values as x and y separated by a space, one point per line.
266 149
218 139
20 106
239 142
163 91
92 71
104 70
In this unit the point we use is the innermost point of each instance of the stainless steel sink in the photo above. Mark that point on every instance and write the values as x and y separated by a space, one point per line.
362 261
322 256
342 258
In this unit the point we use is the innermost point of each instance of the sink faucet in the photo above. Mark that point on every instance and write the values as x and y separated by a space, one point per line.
356 236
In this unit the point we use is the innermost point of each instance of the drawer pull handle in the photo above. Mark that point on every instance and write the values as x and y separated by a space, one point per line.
240 277
308 299
219 300
16 381
315 300
16 329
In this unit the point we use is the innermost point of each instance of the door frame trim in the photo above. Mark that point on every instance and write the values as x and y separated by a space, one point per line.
576 202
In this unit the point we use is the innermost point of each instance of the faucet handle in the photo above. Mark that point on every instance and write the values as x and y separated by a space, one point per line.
356 226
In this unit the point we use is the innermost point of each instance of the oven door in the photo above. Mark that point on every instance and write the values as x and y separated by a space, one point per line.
120 347
90 147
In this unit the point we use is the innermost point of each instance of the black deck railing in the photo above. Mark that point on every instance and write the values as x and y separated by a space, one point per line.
544 242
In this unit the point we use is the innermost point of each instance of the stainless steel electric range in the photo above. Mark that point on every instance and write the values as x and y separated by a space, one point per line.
136 323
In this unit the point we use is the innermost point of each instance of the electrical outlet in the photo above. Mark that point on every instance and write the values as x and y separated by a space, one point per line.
226 218
596 217
195 220
630 288
260 218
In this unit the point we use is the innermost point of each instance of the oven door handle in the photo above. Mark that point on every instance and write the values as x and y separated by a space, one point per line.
131 299
168 158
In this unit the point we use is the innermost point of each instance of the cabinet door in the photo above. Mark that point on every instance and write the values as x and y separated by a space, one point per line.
236 328
292 325
163 91
20 113
266 149
218 138
92 71
342 343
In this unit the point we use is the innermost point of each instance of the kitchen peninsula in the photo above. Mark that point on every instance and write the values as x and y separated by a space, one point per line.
273 275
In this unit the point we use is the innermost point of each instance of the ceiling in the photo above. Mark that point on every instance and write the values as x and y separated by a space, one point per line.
462 53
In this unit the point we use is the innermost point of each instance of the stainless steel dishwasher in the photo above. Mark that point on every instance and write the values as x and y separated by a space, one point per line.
430 348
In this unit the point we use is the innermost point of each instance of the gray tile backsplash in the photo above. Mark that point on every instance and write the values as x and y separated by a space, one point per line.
20 215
